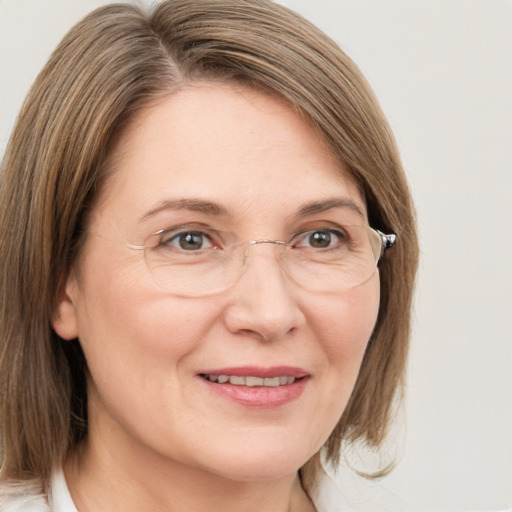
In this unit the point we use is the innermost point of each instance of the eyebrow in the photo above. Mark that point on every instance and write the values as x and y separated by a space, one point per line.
195 205
328 204
217 210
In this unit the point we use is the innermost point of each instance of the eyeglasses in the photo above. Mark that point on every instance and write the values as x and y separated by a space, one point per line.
192 261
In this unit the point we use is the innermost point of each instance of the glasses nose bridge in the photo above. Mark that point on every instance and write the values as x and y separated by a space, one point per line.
261 241
265 241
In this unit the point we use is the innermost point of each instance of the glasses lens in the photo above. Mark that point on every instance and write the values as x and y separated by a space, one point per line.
190 264
348 261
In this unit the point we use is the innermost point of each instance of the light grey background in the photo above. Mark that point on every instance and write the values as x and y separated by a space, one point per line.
442 70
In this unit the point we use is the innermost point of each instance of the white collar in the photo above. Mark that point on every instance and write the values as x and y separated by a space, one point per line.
60 498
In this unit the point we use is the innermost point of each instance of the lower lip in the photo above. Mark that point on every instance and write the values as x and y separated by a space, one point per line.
259 396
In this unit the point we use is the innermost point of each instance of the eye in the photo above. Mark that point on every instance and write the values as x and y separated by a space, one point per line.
321 239
188 241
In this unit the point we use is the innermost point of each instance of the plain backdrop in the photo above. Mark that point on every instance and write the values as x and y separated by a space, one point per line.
442 70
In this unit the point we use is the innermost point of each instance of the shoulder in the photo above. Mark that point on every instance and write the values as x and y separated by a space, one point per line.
22 497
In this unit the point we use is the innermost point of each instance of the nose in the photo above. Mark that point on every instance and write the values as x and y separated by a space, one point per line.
263 302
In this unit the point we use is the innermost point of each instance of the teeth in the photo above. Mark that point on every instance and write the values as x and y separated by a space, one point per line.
253 381
274 382
250 381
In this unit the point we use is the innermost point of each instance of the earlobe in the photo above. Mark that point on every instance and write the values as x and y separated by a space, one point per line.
64 320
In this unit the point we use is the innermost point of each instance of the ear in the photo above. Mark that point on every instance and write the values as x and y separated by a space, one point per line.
64 319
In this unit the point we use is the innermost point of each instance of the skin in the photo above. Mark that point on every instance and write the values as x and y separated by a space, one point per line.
159 438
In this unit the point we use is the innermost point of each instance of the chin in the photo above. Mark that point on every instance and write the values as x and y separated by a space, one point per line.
262 461
259 471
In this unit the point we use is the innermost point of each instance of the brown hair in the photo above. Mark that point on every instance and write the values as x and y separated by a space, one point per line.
113 63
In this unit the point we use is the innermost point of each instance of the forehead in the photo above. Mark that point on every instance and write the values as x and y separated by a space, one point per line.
230 145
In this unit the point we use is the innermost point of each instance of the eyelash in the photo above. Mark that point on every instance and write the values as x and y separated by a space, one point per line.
340 236
167 236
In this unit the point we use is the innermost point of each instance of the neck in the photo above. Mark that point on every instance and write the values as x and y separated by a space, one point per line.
100 480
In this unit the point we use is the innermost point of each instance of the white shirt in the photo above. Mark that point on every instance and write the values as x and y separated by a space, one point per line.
60 498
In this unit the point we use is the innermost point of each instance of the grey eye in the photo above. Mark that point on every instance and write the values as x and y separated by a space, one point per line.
190 241
319 239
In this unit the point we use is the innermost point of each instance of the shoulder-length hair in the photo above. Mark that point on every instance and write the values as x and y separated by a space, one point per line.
116 61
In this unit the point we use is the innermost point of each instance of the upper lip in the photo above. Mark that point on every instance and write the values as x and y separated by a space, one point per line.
259 371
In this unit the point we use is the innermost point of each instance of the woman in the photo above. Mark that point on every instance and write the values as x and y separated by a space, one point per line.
194 203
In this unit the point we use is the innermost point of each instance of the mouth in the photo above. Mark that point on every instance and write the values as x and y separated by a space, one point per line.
256 386
251 380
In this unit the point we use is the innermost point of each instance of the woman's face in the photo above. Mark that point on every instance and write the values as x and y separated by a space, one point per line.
216 157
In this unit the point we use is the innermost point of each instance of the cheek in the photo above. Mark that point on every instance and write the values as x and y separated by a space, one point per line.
130 332
145 343
143 326
344 326
347 321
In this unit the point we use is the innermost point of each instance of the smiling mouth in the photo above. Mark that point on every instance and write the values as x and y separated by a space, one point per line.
251 381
